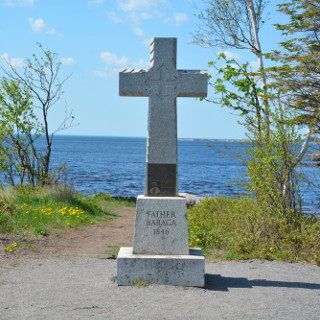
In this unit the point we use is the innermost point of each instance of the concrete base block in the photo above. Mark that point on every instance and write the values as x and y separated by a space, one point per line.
175 270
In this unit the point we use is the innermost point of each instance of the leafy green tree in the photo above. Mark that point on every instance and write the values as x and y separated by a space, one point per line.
22 93
19 128
272 157
237 88
273 166
297 74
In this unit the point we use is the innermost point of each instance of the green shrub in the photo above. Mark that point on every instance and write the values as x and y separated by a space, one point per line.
240 228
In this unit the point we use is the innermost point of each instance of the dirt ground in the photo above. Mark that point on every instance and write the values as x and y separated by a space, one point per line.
91 240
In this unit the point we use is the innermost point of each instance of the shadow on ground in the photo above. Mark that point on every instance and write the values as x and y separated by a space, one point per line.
216 282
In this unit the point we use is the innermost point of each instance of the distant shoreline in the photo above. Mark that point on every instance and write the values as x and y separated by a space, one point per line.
124 137
212 140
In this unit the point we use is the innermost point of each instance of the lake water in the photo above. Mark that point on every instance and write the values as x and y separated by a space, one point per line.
116 165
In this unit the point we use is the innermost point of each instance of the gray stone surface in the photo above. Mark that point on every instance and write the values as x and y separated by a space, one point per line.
162 83
177 270
161 226
80 287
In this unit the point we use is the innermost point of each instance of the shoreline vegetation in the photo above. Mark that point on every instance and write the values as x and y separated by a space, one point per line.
225 228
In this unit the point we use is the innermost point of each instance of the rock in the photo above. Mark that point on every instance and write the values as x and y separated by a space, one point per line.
315 156
124 198
192 199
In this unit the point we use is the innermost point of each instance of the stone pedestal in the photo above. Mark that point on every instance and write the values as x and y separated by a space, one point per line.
160 252
175 270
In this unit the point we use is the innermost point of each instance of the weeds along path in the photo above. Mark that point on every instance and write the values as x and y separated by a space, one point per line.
92 240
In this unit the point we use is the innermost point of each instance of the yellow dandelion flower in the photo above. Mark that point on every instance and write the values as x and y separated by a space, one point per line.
197 239
271 248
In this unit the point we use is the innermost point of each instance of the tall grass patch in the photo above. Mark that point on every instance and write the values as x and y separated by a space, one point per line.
240 228
39 210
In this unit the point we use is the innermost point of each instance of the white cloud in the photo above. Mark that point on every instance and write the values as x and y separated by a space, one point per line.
230 55
135 18
114 17
134 12
180 17
254 65
14 62
146 42
113 63
166 20
39 26
18 3
111 59
141 64
146 16
101 74
67 61
138 5
138 31
94 2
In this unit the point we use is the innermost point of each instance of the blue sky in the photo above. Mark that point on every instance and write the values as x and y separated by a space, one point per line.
96 38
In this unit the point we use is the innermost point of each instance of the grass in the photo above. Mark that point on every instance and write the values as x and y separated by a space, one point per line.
110 252
44 210
140 283
225 228
232 228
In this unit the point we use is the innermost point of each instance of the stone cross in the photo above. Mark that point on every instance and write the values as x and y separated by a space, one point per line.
160 252
162 83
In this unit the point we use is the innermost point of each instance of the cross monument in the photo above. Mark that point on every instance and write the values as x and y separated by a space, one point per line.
160 252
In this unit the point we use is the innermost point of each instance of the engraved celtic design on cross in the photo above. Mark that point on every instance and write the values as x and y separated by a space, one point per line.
163 82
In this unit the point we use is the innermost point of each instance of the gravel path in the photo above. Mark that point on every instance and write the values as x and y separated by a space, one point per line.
83 287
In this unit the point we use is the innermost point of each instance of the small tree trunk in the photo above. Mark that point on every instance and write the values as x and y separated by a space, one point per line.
46 165
260 60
